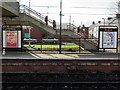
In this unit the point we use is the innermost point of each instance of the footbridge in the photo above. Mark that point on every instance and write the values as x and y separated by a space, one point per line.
30 17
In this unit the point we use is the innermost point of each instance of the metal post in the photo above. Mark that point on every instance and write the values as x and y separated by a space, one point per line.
29 4
102 34
41 44
79 45
104 21
1 31
29 36
29 27
48 10
70 22
60 25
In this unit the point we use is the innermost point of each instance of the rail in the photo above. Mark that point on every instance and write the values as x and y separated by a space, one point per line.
83 35
63 85
71 27
30 12
38 16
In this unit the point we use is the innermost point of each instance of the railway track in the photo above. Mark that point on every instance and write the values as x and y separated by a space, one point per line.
55 74
62 86
59 65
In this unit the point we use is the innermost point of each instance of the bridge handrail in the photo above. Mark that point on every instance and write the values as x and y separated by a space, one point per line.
73 28
25 9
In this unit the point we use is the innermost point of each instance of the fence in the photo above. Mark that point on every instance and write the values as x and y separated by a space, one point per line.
76 45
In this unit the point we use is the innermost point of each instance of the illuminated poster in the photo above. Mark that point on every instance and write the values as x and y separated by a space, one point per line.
108 39
11 39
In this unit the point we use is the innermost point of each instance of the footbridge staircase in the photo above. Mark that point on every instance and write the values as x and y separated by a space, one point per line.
30 17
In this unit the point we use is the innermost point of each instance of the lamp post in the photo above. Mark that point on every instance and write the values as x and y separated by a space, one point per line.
60 25
48 10
104 21
29 4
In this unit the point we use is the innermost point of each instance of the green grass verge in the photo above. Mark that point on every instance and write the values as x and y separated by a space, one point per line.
69 45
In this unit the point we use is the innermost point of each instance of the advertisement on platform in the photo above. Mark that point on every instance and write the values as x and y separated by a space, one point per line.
108 40
11 39
108 37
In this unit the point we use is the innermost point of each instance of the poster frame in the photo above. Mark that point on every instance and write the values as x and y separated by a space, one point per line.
111 34
19 42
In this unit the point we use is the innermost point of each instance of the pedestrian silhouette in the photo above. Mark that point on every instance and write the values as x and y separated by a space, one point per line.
46 20
54 24
78 29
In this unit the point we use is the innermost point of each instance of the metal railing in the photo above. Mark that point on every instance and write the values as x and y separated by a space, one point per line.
83 35
36 15
74 45
71 27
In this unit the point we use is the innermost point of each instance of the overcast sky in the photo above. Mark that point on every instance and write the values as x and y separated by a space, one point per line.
80 11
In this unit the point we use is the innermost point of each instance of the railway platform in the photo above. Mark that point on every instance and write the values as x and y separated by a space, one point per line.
38 55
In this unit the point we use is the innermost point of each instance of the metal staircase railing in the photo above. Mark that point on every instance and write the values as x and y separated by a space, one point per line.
32 13
73 28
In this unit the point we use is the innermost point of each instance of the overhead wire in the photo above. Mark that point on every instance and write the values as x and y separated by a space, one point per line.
74 7
79 7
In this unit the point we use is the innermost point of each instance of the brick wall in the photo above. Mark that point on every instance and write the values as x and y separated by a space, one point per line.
34 33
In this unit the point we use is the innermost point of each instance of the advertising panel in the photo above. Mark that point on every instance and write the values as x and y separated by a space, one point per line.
108 39
11 39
